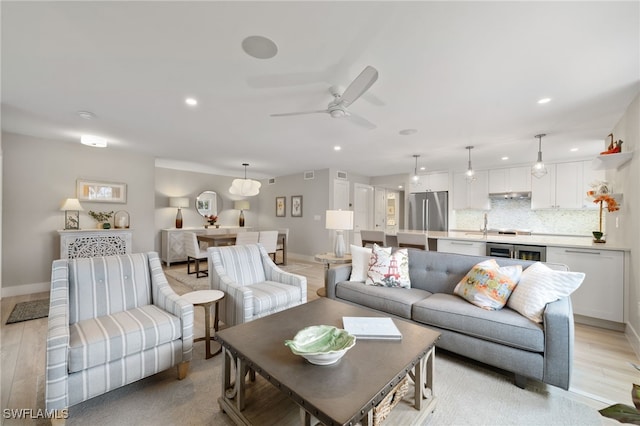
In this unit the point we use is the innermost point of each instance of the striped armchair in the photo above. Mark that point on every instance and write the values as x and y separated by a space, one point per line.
112 320
253 284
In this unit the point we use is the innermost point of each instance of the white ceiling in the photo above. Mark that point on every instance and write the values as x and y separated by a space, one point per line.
460 73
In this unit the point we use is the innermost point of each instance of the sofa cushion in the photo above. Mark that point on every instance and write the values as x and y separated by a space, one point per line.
100 340
388 269
540 285
396 301
504 326
488 285
269 296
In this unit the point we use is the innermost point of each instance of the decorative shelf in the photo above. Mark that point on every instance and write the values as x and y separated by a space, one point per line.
611 161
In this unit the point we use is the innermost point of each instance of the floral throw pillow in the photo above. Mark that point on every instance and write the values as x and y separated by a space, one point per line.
488 285
388 269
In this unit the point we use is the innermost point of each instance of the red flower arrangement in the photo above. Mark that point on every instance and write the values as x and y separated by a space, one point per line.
601 195
212 219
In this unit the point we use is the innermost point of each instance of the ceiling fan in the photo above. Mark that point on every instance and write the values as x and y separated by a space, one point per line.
338 107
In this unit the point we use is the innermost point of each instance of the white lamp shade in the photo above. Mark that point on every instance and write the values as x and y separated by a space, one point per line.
178 202
241 205
339 219
71 204
245 187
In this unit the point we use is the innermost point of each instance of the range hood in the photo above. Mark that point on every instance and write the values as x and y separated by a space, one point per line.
511 195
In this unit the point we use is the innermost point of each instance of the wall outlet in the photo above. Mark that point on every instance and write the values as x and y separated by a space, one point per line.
617 222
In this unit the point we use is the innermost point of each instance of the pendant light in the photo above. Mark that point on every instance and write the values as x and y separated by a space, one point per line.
538 170
415 177
470 175
245 187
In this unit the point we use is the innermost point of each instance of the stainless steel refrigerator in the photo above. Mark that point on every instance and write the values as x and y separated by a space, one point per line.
429 211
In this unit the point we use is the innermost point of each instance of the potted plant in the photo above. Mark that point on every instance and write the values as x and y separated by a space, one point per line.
601 195
102 218
626 413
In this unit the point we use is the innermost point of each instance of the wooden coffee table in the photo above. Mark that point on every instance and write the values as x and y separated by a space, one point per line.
343 393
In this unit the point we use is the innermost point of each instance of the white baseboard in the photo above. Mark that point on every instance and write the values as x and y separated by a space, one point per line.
634 339
20 290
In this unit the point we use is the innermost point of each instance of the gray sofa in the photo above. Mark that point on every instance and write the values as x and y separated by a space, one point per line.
501 338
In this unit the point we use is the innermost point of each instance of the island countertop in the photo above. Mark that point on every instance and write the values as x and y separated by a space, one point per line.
539 240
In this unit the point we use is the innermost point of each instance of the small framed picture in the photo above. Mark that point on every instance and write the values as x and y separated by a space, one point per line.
281 206
296 206
72 220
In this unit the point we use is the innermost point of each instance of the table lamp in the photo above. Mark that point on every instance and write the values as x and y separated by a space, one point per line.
71 209
179 202
241 205
340 221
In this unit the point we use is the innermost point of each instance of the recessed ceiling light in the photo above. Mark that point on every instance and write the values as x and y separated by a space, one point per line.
573 149
337 148
191 101
406 132
504 158
399 186
423 168
259 47
544 100
94 141
87 115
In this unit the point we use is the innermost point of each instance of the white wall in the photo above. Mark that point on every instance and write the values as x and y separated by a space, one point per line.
38 175
627 181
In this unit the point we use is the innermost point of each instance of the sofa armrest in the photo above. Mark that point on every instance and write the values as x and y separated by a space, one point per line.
165 298
334 276
58 336
558 337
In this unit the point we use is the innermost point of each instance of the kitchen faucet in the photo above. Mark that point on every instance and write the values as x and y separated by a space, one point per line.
484 228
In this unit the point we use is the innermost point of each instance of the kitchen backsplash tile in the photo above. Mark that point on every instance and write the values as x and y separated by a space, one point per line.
517 214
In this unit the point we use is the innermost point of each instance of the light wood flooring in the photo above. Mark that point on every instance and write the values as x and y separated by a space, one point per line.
601 374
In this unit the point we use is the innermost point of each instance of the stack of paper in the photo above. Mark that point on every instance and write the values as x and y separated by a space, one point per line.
372 327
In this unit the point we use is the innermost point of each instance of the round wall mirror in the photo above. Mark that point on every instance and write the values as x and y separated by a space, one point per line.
207 203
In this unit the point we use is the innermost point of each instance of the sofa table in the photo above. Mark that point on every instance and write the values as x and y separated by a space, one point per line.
330 259
206 298
343 393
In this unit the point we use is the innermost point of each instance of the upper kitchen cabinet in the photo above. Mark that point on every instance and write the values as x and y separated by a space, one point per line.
563 187
515 179
589 176
474 195
431 182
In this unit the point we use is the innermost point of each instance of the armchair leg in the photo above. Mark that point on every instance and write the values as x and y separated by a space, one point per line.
183 368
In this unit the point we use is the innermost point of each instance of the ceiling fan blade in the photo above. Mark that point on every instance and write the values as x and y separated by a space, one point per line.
360 121
360 85
287 114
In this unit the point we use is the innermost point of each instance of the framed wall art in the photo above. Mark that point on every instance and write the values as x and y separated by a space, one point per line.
296 206
281 206
101 192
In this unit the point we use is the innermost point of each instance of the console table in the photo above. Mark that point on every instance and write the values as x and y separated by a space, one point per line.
94 242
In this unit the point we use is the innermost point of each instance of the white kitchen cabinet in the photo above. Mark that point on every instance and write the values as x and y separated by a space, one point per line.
473 248
474 195
601 294
563 187
431 182
589 176
514 179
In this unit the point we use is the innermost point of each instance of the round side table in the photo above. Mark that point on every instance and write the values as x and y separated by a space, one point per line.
330 259
206 298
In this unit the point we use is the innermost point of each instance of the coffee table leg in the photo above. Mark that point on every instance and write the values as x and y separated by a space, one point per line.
240 383
423 380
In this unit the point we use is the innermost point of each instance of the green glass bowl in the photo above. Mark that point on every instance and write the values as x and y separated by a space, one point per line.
321 344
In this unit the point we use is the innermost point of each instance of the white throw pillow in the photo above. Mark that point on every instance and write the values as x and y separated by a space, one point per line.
359 262
540 285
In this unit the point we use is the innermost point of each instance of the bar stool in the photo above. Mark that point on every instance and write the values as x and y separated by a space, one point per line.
206 298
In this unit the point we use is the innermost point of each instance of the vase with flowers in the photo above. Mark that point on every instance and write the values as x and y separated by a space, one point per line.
212 219
602 195
102 218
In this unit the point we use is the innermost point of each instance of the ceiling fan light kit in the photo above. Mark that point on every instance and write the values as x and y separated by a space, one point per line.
337 108
245 187
538 170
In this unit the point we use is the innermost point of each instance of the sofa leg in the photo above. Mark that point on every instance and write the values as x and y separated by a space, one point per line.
183 368
521 381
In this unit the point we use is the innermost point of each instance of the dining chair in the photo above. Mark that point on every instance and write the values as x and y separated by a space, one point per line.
194 253
373 237
247 237
282 244
413 240
269 240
